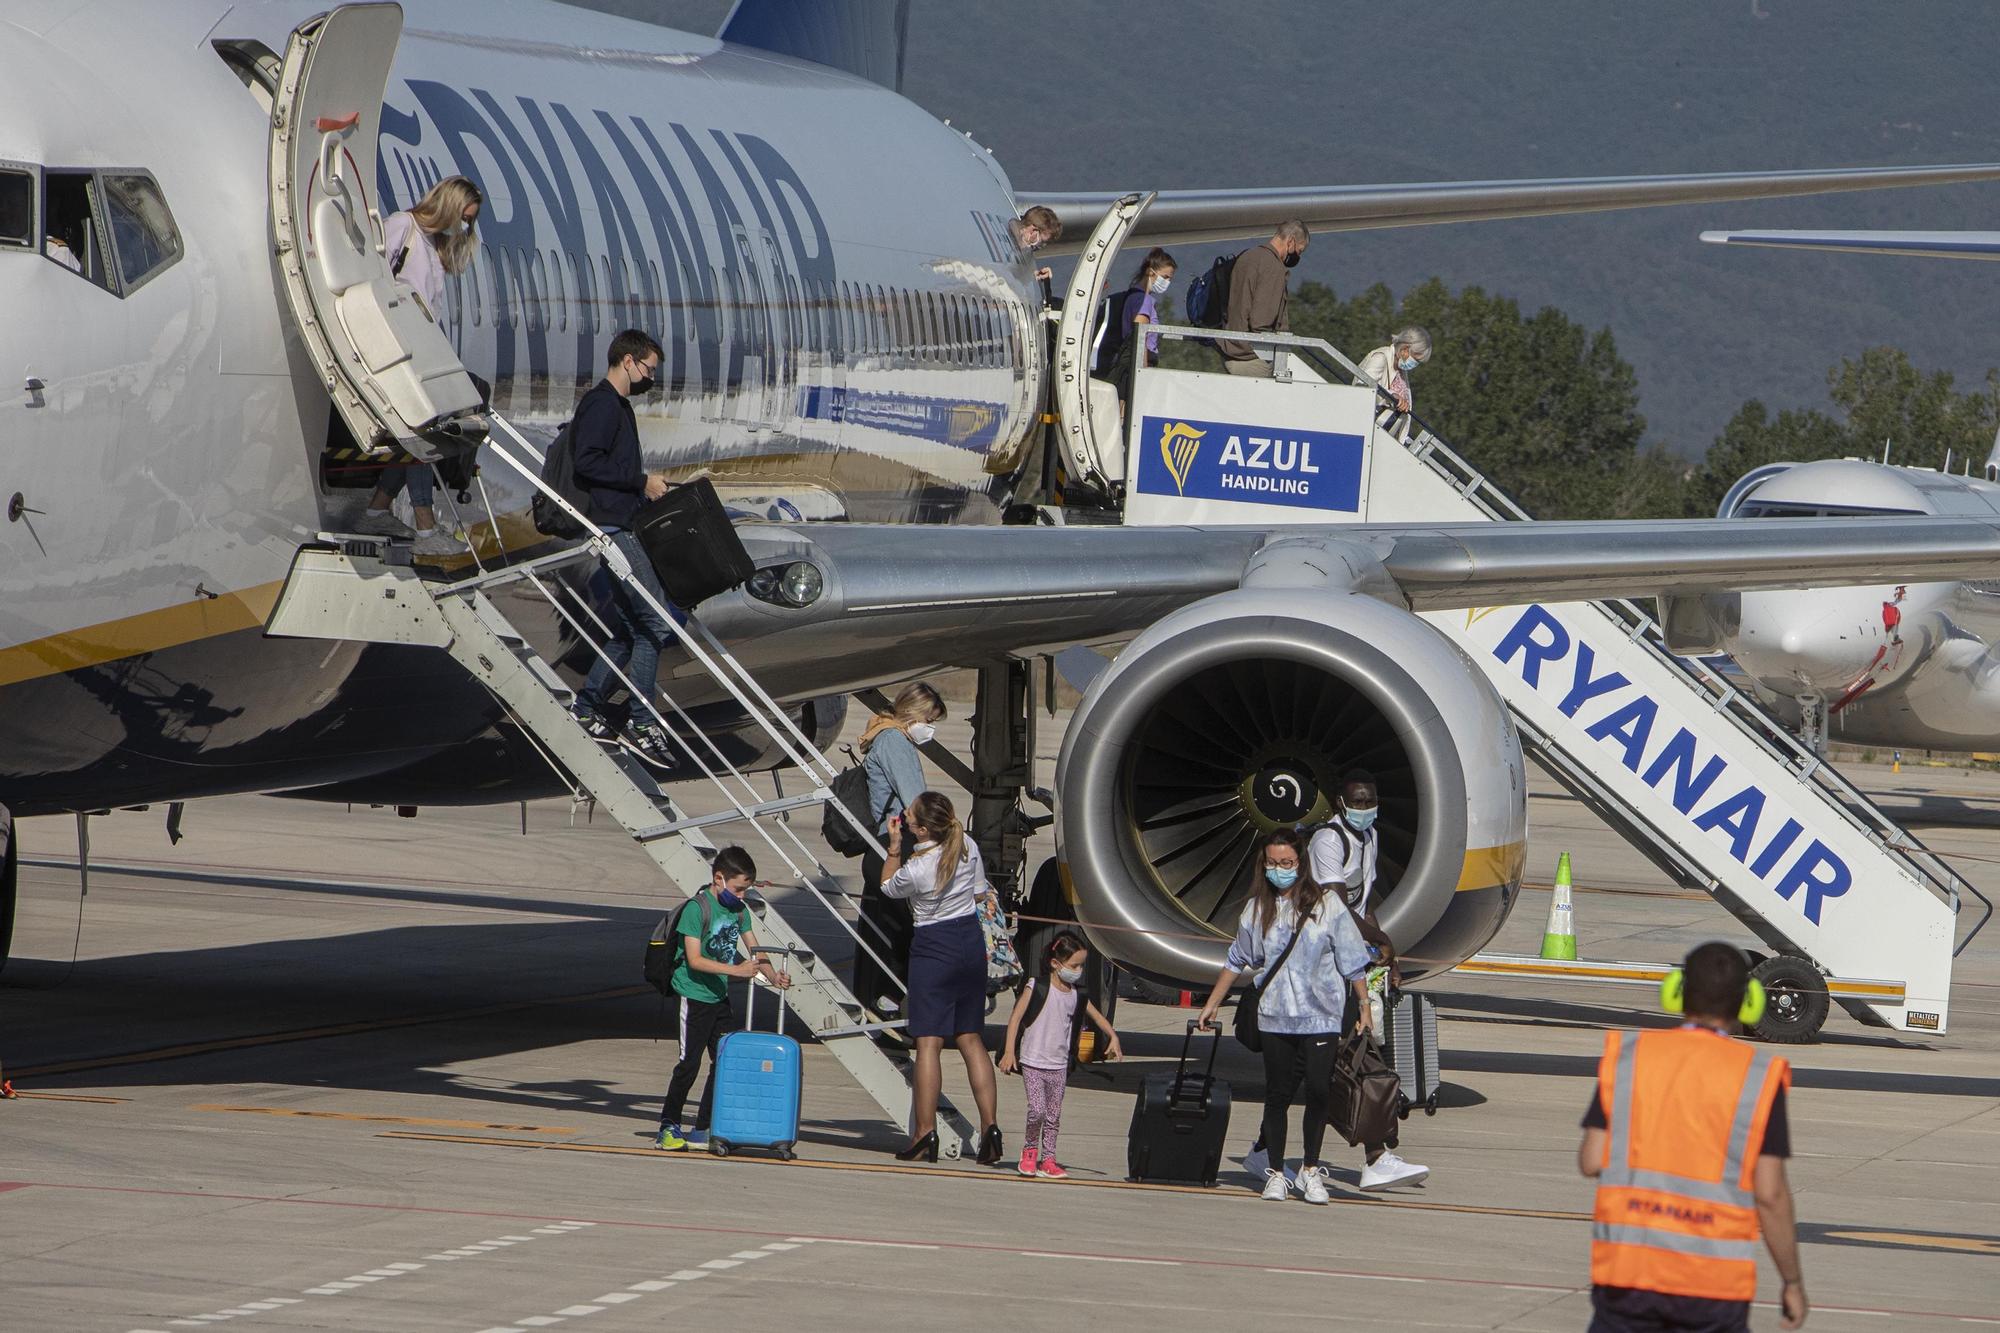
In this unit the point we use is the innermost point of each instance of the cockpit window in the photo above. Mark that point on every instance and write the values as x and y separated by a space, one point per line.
112 228
142 230
1811 509
17 210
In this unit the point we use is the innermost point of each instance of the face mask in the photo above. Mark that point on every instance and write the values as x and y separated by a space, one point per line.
727 899
1159 286
1282 879
1407 363
1292 259
921 733
1069 976
642 382
1360 820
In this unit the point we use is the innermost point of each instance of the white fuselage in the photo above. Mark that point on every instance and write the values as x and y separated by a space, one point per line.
1900 665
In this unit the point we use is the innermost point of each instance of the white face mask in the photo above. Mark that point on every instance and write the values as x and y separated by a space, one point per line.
1069 976
1160 286
922 733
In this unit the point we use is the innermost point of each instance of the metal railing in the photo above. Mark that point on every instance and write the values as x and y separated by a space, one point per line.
1809 768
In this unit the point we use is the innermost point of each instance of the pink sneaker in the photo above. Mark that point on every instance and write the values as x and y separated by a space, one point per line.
1051 1170
1027 1166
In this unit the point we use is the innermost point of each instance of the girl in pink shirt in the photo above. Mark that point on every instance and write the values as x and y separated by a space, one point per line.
1043 1036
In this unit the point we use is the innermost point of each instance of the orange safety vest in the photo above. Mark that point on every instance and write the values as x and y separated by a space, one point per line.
1676 1212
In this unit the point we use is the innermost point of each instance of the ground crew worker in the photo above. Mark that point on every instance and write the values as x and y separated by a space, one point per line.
1687 1141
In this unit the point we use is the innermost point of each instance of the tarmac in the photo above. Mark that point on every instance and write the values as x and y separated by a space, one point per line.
322 1068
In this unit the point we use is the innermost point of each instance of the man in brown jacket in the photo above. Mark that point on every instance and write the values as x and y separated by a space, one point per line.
1258 298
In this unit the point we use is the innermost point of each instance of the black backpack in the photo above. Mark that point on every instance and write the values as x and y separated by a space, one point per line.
664 947
559 475
850 789
1117 332
1208 295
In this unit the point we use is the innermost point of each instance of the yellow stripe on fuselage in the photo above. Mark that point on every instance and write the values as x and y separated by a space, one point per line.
149 631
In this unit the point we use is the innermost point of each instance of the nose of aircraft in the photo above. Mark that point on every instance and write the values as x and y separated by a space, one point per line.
1823 641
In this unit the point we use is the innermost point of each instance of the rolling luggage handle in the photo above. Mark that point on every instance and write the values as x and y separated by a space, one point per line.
1180 1069
805 957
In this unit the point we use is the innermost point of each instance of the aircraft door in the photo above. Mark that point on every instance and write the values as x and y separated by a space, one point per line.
1086 408
392 373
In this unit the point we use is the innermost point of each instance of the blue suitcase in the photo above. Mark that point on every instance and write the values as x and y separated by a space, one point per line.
758 1076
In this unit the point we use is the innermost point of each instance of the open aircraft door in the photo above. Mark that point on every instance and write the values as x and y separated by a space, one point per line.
393 375
1087 409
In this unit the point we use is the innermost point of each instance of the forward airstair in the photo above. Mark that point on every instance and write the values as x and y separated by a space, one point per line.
365 589
1694 773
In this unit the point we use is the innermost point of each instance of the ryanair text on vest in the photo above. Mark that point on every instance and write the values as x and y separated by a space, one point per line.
1702 788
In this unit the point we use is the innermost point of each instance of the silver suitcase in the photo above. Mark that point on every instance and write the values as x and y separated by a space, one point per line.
1410 1041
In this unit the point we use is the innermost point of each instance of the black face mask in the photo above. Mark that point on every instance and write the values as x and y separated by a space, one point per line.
642 385
1292 259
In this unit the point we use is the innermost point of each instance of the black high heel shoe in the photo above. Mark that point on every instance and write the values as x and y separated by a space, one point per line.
924 1149
990 1149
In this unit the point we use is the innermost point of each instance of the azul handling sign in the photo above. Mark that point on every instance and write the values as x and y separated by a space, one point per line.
1718 797
1250 464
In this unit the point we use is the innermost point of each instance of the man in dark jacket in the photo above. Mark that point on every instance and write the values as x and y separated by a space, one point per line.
1258 297
604 437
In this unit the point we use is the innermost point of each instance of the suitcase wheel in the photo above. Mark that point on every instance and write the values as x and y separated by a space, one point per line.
786 1154
718 1147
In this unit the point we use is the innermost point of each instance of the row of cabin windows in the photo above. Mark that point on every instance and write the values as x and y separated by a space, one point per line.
112 228
550 291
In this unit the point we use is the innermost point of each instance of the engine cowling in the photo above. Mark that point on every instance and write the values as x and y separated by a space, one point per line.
1237 715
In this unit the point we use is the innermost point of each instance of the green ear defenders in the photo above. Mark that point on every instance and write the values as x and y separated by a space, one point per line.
1749 1015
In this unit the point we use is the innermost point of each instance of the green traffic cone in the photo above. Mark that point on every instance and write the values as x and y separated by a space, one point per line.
1559 936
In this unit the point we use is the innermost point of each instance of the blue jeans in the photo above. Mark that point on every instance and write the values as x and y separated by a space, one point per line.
638 632
418 475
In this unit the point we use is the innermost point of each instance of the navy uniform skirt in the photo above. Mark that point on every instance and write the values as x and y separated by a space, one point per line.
948 978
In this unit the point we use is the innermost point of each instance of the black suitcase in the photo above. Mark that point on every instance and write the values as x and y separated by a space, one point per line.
1179 1122
692 544
1410 1042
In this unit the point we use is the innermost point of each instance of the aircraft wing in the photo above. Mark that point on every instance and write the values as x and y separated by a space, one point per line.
1925 244
1190 217
909 598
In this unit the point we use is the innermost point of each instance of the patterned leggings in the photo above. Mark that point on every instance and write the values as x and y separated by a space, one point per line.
1045 1094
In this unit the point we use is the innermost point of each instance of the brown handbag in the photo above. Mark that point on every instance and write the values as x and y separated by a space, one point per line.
1367 1095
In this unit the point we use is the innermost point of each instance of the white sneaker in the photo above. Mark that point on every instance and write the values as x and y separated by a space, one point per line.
382 523
1388 1170
1312 1184
436 541
1256 1162
1276 1187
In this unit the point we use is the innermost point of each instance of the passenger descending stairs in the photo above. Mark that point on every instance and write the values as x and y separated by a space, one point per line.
1694 773
365 589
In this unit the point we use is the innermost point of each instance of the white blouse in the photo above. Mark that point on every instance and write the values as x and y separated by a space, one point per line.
916 880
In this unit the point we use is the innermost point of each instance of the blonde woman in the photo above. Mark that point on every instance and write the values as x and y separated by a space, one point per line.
437 237
895 779
942 880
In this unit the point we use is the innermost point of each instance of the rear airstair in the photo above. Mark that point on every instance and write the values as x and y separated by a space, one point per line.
1710 787
365 589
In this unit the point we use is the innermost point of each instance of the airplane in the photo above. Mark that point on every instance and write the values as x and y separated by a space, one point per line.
854 355
1898 664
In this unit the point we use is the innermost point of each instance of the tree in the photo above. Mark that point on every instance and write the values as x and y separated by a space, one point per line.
1539 403
1883 400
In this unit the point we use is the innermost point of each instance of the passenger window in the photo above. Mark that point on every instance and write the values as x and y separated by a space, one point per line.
142 230
72 225
17 210
542 300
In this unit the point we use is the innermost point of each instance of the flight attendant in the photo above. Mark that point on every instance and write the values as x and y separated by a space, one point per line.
1687 1141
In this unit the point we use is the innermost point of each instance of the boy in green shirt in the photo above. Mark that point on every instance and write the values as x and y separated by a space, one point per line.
714 931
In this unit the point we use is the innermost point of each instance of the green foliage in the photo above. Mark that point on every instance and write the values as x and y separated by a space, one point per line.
1882 398
1541 404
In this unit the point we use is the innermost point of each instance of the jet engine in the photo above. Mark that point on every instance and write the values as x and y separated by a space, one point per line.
1238 715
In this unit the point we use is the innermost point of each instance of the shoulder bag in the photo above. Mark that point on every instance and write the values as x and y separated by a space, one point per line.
1247 1030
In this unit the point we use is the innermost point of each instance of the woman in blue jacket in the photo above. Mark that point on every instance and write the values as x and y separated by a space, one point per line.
1311 964
895 772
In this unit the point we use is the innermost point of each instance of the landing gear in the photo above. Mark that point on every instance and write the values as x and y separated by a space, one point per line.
1812 722
1796 1002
